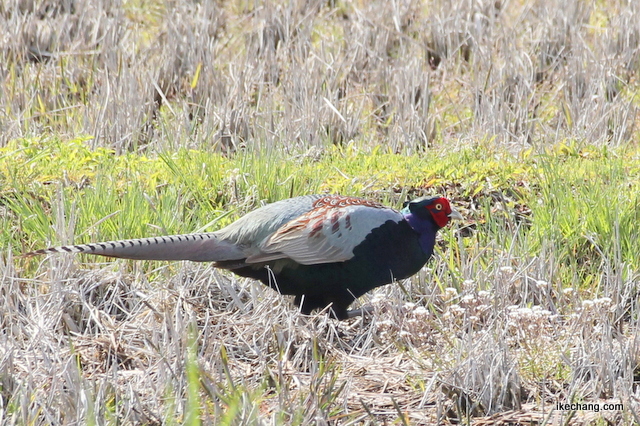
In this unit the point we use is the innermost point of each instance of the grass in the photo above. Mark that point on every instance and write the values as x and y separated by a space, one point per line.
144 118
539 263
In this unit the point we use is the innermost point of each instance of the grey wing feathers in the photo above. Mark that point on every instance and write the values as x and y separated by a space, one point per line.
195 247
250 230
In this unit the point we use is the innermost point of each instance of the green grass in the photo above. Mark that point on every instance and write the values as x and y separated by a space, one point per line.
589 209
584 202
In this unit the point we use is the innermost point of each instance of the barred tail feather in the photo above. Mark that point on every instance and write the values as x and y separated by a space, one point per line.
195 247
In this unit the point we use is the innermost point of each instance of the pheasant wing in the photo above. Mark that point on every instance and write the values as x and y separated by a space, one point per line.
328 233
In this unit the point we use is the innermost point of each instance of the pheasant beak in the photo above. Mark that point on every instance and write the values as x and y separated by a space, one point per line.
455 214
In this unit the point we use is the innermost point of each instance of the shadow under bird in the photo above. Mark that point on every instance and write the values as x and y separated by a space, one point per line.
323 249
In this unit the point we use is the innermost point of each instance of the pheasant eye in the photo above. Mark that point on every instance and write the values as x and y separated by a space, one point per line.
438 206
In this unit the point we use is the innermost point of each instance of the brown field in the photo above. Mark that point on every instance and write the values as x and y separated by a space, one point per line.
496 330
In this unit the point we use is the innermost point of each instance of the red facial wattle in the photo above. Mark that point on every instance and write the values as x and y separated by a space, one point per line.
440 210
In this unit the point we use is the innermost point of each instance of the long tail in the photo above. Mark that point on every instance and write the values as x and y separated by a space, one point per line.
205 247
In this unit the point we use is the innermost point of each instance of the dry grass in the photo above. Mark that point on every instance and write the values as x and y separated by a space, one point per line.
105 344
308 73
488 332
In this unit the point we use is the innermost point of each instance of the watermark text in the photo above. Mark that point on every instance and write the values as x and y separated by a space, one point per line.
589 406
